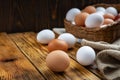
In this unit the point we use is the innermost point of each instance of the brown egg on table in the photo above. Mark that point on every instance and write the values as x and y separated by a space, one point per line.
57 61
80 18
108 21
57 44
89 9
108 15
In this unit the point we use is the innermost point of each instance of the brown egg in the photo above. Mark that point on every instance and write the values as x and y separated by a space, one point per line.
90 9
57 44
58 60
108 21
80 18
108 15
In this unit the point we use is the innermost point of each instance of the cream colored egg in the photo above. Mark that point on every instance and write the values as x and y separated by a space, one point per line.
45 36
109 15
108 21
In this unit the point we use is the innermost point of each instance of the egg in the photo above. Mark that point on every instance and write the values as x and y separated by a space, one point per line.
70 15
68 38
57 44
94 20
80 18
109 15
100 12
103 26
85 55
108 21
101 9
57 61
112 10
90 9
45 36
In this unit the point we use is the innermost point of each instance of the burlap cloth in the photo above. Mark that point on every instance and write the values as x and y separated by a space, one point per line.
108 58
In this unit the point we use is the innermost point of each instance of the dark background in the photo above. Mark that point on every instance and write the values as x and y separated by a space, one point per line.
35 15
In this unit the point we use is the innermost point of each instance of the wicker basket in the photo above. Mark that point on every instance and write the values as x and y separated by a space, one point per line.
108 34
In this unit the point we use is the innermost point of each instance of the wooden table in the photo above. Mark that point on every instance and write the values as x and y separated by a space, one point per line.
22 58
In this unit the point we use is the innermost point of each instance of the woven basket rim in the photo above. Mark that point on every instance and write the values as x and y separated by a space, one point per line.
93 29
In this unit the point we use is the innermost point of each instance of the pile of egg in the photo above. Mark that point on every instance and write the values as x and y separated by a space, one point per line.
91 17
57 59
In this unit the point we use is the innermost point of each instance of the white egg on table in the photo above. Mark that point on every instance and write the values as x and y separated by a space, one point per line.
45 36
85 55
112 10
70 15
102 9
94 20
68 38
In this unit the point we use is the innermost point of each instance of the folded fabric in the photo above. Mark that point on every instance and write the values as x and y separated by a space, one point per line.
108 62
101 45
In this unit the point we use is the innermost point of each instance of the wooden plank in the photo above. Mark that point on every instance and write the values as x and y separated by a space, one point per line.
13 64
37 53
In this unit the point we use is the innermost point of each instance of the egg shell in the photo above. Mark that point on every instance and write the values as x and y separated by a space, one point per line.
108 21
58 61
112 10
109 15
94 20
100 12
101 9
68 38
57 44
89 9
70 15
85 55
80 18
45 36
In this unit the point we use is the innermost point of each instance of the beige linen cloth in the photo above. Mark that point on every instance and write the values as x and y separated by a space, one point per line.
108 58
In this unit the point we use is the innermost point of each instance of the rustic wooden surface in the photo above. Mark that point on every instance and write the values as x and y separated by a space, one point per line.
22 58
13 64
35 15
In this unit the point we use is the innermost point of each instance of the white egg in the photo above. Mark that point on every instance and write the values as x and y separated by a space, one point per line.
70 15
85 55
100 12
45 36
112 10
101 9
69 38
94 20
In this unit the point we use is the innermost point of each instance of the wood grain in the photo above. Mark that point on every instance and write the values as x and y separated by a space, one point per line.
13 64
37 53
